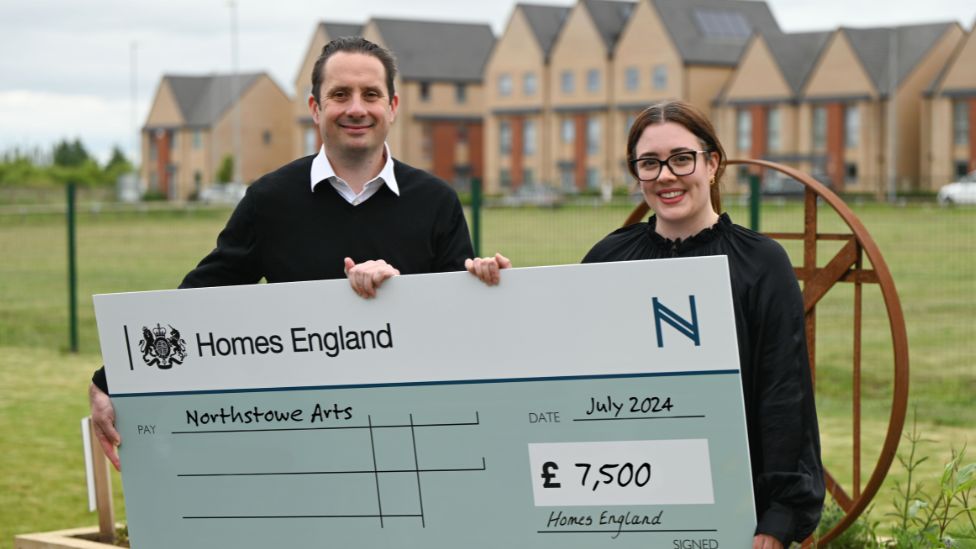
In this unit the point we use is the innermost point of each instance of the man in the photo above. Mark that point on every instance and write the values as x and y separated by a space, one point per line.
352 210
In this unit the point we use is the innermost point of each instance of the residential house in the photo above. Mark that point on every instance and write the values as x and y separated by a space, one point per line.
439 124
195 122
757 112
948 140
581 67
859 109
517 88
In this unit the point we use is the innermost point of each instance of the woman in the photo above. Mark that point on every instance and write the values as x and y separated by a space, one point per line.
674 153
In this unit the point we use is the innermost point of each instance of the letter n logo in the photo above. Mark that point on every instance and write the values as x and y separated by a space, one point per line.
664 314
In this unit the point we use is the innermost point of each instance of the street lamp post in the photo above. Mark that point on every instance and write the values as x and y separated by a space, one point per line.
235 90
133 50
892 116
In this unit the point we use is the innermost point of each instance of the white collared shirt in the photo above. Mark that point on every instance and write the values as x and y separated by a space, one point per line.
322 170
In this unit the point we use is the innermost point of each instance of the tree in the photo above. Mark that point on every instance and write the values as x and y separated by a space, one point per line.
117 165
70 153
226 172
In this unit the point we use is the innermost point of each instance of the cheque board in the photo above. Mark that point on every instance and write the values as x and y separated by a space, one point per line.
570 406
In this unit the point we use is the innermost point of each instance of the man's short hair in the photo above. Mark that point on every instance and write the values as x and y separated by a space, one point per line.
354 44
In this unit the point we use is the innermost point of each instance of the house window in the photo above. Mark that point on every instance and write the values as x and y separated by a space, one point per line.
566 83
593 80
197 139
592 135
852 126
505 137
850 173
631 78
567 176
659 77
962 168
426 141
529 83
462 177
629 123
819 128
772 130
568 131
505 85
528 138
461 93
592 178
527 176
743 128
311 140
960 122
742 174
505 178
425 91
266 137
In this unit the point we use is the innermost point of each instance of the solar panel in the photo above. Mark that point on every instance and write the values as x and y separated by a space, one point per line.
722 23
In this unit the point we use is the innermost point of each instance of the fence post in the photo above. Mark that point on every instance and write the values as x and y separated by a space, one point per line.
72 273
755 194
476 215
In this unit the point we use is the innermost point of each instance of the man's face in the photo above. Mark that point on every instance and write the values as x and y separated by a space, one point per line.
354 112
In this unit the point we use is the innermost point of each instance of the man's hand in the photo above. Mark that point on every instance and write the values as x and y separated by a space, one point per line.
765 541
488 269
367 276
103 418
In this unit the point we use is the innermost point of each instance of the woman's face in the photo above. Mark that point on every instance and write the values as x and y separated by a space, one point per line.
682 203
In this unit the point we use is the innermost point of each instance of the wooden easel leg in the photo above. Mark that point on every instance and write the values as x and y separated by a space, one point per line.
103 490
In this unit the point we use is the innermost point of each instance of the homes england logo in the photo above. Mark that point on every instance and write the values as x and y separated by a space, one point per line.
161 348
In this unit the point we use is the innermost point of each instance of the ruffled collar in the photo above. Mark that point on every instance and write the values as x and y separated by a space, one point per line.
679 245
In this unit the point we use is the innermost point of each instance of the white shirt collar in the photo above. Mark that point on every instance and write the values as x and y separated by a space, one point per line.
322 170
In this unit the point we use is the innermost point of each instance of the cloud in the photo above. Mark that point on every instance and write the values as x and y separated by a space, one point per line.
39 119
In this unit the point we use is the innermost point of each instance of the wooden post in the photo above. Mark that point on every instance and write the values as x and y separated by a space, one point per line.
103 489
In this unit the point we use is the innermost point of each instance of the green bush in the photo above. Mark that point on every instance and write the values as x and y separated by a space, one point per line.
946 518
226 171
860 535
71 163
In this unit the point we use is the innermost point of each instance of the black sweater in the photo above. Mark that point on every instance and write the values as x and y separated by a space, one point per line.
784 441
283 232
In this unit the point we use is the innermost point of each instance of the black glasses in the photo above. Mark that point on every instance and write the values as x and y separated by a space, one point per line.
682 163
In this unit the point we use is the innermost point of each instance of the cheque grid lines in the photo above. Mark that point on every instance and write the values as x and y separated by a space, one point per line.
376 471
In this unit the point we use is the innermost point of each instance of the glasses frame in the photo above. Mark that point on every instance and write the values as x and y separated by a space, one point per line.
661 164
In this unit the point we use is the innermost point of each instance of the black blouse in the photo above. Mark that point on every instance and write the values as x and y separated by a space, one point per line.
784 441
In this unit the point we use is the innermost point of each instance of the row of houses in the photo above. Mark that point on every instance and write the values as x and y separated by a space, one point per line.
550 100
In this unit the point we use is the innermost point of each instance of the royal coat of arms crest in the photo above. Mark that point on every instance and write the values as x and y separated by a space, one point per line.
162 348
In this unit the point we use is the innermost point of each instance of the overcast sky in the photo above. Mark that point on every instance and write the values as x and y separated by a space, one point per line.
66 69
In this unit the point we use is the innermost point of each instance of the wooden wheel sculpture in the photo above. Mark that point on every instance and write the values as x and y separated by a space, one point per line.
847 266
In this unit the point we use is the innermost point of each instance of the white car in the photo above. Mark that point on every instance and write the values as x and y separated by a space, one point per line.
223 193
960 192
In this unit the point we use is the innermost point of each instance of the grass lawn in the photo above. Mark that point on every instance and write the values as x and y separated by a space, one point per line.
930 251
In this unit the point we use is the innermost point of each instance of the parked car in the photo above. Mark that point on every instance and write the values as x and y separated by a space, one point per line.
223 193
534 195
959 192
781 185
